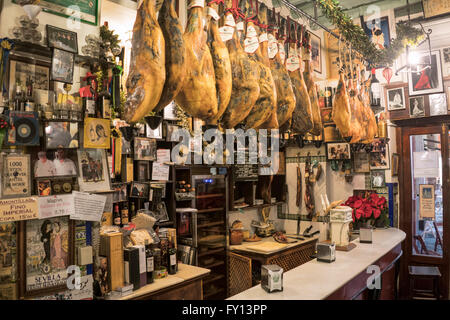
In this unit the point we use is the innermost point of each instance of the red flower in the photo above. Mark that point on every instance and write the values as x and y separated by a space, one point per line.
381 201
376 213
367 212
359 213
374 197
358 204
353 215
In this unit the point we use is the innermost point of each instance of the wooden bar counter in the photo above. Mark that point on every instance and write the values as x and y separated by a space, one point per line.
346 278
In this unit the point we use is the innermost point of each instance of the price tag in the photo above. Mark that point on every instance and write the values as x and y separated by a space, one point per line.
229 20
273 46
251 32
213 13
282 52
251 44
263 37
226 33
240 26
197 3
293 63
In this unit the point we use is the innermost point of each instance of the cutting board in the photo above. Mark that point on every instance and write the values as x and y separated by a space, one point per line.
267 247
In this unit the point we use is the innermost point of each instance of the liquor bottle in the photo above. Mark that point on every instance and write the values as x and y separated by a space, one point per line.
18 98
150 262
124 214
375 90
29 100
116 215
89 107
104 103
132 210
172 259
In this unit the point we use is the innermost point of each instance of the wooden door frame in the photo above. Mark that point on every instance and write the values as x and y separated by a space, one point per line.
405 190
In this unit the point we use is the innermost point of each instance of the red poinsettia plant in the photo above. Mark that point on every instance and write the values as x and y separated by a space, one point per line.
372 207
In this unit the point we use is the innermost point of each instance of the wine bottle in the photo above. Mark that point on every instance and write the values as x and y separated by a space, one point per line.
18 98
89 107
375 90
116 216
150 262
172 259
132 210
124 214
104 103
29 100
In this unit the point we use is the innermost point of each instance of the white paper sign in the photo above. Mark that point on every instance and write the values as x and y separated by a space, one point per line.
263 37
88 206
163 155
56 206
160 171
213 13
426 164
226 33
240 26
282 52
251 32
293 63
229 20
251 44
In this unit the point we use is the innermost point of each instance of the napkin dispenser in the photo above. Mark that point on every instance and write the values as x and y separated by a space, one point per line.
365 235
272 278
326 252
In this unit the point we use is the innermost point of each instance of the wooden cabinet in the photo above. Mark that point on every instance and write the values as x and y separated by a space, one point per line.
189 291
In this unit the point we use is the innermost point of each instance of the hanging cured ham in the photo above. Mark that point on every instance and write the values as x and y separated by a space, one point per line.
341 112
245 82
357 130
147 75
302 120
221 61
175 53
198 96
312 92
372 127
285 92
263 113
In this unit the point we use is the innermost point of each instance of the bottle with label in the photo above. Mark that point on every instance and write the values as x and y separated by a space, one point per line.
116 215
29 100
172 259
124 214
104 103
132 210
89 107
150 262
375 88
18 98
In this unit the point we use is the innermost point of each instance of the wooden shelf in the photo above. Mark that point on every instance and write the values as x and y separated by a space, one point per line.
212 195
209 252
213 293
210 224
215 264
210 210
258 206
213 279
166 223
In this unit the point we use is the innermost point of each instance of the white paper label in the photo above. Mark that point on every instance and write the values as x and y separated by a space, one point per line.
173 259
282 52
273 46
263 37
240 26
226 33
229 20
293 63
150 266
213 13
197 3
251 32
251 44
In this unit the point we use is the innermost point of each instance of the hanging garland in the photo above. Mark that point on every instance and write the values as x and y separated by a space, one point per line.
406 35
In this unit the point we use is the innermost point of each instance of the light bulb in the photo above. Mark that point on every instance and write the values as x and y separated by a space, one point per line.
413 58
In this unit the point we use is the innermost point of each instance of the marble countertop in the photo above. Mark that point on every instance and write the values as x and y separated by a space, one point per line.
246 246
316 280
185 272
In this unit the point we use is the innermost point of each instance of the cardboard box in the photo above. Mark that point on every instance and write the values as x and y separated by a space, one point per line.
111 245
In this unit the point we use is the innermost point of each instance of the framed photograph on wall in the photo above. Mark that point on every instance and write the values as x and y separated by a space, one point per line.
62 39
54 163
16 176
427 202
417 107
169 112
395 162
316 52
378 32
47 250
94 173
144 149
438 104
155 134
97 133
433 8
21 69
143 171
139 190
44 187
380 160
425 76
61 135
361 162
338 151
63 63
378 178
396 99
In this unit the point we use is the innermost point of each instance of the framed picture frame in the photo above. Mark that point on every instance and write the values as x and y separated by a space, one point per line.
85 11
438 104
380 160
120 192
62 39
43 187
154 134
396 99
144 149
395 163
139 190
21 68
160 212
97 133
434 8
361 162
428 79
417 107
63 63
8 260
61 135
143 171
316 52
161 185
169 112
54 163
46 247
338 151
378 32
16 176
94 173
378 178
170 128
427 201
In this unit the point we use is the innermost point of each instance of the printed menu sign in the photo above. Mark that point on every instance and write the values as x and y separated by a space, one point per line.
56 206
18 209
16 176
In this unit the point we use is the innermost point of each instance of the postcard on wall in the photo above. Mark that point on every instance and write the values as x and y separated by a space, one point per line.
94 174
56 206
18 209
427 203
97 133
16 176
47 253
160 171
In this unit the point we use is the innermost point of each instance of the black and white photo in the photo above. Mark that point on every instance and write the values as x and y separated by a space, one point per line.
396 99
438 104
378 178
144 149
62 39
62 135
417 107
62 66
